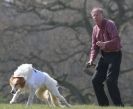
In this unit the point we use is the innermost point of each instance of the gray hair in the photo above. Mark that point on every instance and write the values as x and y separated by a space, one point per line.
98 10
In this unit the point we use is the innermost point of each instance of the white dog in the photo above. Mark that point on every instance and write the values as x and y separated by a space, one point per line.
27 79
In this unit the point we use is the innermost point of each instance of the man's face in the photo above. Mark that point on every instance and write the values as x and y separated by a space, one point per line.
97 17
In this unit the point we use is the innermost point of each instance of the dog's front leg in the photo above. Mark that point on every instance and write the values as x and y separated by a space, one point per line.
30 98
15 96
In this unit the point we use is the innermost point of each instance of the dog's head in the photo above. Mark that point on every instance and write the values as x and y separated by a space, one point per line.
16 83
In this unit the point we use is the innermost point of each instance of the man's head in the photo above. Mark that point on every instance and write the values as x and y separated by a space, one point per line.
97 15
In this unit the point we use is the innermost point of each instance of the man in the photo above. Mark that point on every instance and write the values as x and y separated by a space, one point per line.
105 39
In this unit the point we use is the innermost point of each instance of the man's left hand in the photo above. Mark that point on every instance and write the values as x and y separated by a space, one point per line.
101 44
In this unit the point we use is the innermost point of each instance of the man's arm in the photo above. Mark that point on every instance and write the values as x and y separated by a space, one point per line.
112 31
94 48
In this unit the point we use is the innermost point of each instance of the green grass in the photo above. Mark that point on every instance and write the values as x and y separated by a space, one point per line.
41 106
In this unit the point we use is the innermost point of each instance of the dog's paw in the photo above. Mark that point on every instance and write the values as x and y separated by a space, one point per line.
11 102
69 105
62 106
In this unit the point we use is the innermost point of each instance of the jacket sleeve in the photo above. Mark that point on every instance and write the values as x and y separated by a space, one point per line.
114 42
94 48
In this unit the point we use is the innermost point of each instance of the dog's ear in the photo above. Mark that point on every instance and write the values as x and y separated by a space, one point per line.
21 82
10 80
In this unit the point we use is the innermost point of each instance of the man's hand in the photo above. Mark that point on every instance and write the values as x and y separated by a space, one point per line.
89 63
101 44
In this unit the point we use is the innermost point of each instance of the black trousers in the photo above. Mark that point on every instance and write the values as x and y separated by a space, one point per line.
107 70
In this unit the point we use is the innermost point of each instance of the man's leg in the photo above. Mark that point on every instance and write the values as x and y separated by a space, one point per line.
97 81
112 79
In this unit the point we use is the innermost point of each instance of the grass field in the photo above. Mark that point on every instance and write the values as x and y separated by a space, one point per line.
40 106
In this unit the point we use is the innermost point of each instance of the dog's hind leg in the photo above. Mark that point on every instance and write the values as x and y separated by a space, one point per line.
48 98
44 95
61 98
57 102
51 99
55 92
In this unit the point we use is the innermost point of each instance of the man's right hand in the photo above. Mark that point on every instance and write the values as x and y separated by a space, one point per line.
89 63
